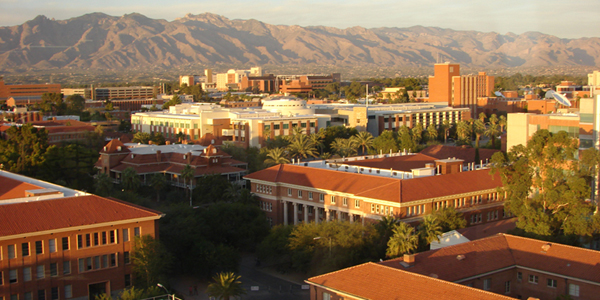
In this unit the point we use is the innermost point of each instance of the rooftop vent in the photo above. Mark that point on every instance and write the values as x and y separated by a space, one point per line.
460 257
546 247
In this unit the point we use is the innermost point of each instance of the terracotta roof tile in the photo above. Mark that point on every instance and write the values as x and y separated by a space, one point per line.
373 281
10 188
59 213
488 229
113 147
465 153
398 163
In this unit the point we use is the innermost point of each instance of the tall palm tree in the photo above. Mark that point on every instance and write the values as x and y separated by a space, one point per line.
446 129
403 240
482 117
364 140
103 184
430 229
317 140
226 285
463 130
158 183
188 175
502 123
493 119
479 130
492 131
276 156
301 147
417 133
431 133
130 179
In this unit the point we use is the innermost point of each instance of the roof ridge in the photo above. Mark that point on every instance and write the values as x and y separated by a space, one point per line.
379 187
553 243
341 270
446 282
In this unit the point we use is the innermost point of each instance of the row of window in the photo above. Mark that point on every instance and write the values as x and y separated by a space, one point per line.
40 272
101 262
266 206
287 126
171 124
83 241
382 209
41 294
415 210
332 199
265 189
550 282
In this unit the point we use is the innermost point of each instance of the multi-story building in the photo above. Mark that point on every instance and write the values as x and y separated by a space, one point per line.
127 92
58 243
363 189
83 92
59 131
498 267
168 160
447 85
288 84
26 90
264 83
377 118
207 123
233 78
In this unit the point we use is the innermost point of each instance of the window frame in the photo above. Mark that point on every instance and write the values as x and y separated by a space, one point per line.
534 279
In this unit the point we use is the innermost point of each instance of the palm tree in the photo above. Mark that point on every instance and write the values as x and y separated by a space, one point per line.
130 179
492 131
301 147
463 130
276 156
103 184
446 128
344 147
479 130
158 183
431 133
482 117
317 140
430 229
417 133
493 119
364 140
187 174
403 240
502 123
297 131
226 285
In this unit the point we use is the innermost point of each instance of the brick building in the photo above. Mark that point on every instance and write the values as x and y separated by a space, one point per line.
363 189
58 243
26 90
508 266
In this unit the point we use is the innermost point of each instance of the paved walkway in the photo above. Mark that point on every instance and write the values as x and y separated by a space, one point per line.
262 283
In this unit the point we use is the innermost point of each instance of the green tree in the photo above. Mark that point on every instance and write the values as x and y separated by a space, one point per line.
158 183
502 123
209 188
479 130
24 149
493 129
385 142
546 187
430 229
157 138
463 130
141 137
417 133
449 219
103 185
317 140
225 286
446 129
54 103
344 147
301 147
406 141
150 261
187 174
75 103
403 240
130 179
431 133
276 156
364 140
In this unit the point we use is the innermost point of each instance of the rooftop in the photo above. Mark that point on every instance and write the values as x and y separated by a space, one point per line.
13 188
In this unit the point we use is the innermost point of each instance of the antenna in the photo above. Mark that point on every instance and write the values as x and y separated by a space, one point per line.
499 94
558 97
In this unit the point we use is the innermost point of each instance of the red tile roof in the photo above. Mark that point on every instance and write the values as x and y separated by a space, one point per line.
34 216
463 152
11 188
504 251
113 147
398 163
488 229
378 187
374 281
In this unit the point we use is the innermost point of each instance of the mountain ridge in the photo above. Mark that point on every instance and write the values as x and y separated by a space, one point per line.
99 41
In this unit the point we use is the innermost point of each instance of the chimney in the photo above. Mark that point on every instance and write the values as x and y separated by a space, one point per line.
409 259
189 158
149 142
158 155
168 143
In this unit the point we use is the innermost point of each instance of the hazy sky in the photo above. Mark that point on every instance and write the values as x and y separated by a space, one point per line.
565 19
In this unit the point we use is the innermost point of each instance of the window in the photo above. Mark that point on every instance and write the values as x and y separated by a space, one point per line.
103 237
68 291
105 261
88 263
310 195
67 267
96 239
39 247
65 243
54 293
136 231
126 257
345 201
11 251
321 198
487 284
372 208
28 296
326 296
127 280
40 272
14 297
12 276
299 194
507 287
27 274
81 264
519 276
88 240
126 235
52 245
289 192
96 262
286 126
533 279
113 236
573 290
276 126
25 249
356 203
552 283
113 260
332 199
41 294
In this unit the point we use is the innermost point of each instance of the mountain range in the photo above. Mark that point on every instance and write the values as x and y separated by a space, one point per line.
133 41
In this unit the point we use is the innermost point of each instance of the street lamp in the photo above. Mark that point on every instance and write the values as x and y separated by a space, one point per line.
318 238
162 286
